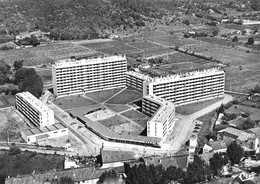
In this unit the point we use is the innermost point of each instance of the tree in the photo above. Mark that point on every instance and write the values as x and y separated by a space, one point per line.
248 124
256 89
109 177
215 32
34 40
173 173
22 73
186 22
235 152
18 64
14 150
235 39
66 180
251 41
29 80
197 171
217 162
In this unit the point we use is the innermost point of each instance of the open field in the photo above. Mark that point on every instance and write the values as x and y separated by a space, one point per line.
7 101
238 78
214 40
117 108
102 96
111 47
43 54
238 109
137 117
72 102
144 45
126 96
10 125
173 40
114 121
192 108
67 140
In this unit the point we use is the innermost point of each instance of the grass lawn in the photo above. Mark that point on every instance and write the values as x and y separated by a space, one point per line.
72 102
11 122
114 121
137 117
126 96
117 108
237 109
194 107
102 96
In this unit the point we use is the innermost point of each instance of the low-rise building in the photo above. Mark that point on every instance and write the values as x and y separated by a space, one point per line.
82 175
215 147
248 140
41 134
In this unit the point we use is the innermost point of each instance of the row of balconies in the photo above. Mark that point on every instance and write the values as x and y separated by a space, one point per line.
90 82
97 80
198 84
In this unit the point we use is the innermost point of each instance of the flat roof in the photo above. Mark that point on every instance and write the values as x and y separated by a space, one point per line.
108 133
35 102
87 61
166 108
176 77
41 130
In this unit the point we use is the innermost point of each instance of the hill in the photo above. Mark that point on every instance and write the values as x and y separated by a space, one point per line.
75 19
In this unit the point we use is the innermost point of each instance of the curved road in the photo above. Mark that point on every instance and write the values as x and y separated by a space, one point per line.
186 124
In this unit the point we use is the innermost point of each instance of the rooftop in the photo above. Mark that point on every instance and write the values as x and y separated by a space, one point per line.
116 156
240 134
164 111
35 102
192 74
87 61
216 145
40 130
77 174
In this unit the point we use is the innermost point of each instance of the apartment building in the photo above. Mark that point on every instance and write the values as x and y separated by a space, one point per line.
72 76
135 80
34 110
183 88
163 120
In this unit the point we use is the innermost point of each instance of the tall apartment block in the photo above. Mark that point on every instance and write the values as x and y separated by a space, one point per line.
72 76
183 88
34 110
163 116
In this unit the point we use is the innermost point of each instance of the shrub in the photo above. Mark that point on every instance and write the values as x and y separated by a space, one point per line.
14 150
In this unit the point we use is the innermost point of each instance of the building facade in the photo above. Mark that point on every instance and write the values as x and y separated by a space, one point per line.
34 110
163 120
183 88
72 76
41 134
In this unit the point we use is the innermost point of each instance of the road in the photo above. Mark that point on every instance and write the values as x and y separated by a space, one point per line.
186 124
